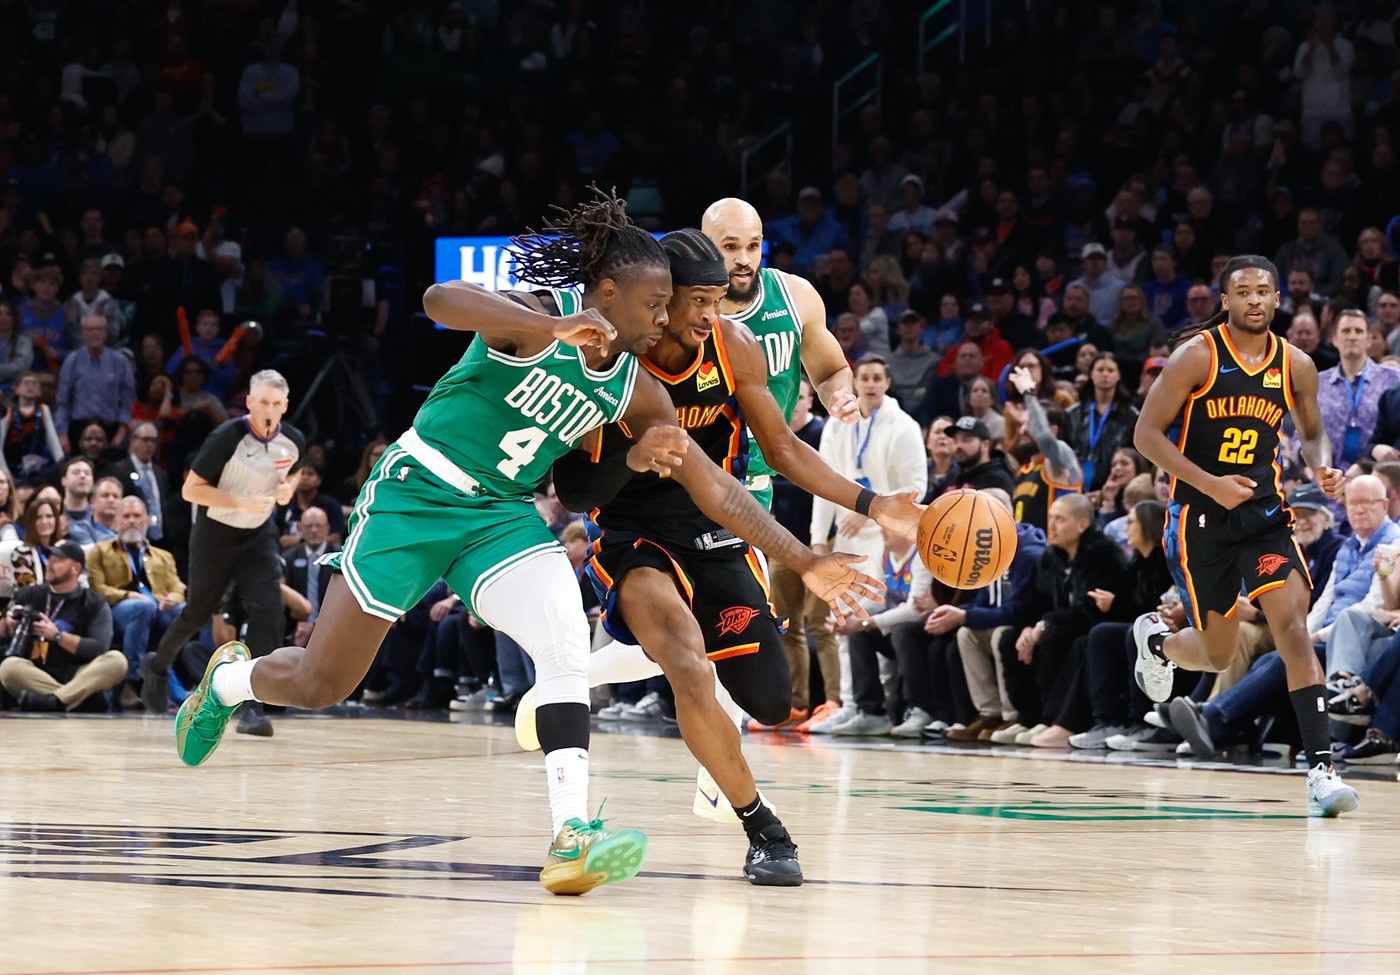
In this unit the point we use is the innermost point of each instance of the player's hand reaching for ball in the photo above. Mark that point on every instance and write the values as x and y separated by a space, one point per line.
840 586
1331 480
660 449
587 328
898 514
1232 490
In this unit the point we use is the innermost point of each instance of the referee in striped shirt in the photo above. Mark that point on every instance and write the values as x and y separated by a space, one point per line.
245 468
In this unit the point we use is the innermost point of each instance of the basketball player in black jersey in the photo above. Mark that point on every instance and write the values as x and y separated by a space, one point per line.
1212 420
690 593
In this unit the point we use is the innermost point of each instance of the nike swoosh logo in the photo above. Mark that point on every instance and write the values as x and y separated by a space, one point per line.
715 801
567 854
1272 511
1224 370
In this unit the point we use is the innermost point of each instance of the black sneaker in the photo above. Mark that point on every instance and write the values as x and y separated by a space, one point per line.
1374 749
1188 722
155 686
772 859
1347 708
252 720
42 703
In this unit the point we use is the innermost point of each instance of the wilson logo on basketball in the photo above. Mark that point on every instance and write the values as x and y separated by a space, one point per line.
707 376
1269 564
736 619
985 538
1273 379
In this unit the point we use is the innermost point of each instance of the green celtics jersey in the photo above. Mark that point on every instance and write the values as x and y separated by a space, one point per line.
773 319
504 420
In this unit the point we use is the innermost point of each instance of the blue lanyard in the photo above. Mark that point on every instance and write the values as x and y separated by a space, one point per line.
860 452
1096 431
135 565
1355 389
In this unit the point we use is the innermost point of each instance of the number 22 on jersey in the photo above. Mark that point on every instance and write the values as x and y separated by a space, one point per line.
1237 446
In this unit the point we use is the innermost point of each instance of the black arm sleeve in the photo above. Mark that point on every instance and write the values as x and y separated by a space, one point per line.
582 485
218 450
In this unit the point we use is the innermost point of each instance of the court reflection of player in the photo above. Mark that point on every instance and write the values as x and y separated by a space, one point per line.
1212 420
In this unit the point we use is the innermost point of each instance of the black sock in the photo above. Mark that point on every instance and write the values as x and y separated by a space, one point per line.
755 817
1310 705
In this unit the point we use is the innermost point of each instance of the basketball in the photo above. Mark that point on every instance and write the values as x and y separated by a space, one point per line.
967 540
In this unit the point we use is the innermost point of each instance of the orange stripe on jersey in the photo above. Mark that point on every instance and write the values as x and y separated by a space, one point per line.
723 354
1303 561
731 451
1287 377
1186 565
602 573
1239 360
739 651
682 580
757 571
665 376
1266 587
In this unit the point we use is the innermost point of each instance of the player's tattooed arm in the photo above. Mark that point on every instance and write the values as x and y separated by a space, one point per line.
822 358
1186 371
1313 442
512 322
786 453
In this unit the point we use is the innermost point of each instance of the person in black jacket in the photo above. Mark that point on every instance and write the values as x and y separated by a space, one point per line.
981 465
68 657
1079 561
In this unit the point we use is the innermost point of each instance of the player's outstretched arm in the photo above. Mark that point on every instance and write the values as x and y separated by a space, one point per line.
787 454
1313 443
512 324
1187 370
822 358
723 499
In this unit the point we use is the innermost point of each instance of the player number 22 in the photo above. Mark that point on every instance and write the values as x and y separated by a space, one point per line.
1238 445
520 447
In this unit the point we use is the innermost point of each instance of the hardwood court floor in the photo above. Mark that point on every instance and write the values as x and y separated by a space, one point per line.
371 845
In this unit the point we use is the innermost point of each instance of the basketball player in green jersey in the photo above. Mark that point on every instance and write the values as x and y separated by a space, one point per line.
451 499
1212 421
788 318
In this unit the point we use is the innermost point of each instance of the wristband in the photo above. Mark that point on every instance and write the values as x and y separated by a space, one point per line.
863 501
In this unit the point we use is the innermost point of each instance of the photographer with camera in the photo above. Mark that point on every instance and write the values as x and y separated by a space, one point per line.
59 636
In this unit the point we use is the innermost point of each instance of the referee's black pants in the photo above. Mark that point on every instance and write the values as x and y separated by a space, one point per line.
219 555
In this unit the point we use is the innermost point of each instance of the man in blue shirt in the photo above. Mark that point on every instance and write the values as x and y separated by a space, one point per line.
812 232
96 383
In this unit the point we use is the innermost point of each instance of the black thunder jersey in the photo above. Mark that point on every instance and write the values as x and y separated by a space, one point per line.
1231 425
657 507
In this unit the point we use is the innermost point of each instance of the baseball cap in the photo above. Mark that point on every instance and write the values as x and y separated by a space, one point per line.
911 178
972 425
809 193
111 260
1308 496
978 310
999 286
910 316
67 549
1157 362
187 228
1093 247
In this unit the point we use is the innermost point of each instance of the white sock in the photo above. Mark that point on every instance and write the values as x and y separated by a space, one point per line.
736 713
620 663
567 769
233 682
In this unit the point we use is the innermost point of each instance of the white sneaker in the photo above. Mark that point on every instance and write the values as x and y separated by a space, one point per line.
1328 795
613 712
913 725
1024 738
1008 736
710 802
648 708
469 702
1153 672
1097 737
863 725
525 734
844 713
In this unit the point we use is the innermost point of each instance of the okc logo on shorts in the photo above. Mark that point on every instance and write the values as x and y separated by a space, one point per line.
736 619
1269 564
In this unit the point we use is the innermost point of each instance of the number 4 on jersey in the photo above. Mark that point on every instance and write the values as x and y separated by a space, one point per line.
520 447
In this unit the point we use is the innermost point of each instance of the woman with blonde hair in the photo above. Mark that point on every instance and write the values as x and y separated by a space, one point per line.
1136 331
886 277
368 458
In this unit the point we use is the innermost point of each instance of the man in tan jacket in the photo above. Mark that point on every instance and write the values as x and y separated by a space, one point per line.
139 582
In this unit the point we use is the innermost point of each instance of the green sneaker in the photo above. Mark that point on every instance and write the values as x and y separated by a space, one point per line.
587 855
199 724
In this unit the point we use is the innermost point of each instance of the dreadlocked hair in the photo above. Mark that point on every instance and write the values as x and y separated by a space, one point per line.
593 241
1240 263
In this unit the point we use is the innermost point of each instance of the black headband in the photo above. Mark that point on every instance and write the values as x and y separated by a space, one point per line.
687 272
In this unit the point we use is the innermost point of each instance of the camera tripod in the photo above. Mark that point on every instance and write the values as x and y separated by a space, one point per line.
338 391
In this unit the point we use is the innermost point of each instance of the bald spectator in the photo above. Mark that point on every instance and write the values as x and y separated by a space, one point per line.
1315 252
304 574
96 383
